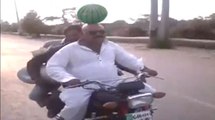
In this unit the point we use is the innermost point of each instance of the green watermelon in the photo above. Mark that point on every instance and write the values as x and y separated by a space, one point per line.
92 13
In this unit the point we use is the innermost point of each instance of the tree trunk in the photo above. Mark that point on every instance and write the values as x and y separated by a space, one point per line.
153 27
163 31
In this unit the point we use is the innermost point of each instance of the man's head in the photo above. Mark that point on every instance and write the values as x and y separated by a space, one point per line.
93 32
72 33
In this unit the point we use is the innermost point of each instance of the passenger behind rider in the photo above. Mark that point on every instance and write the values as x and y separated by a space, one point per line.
92 57
44 85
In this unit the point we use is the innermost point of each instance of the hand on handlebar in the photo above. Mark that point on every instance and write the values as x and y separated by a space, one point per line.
150 72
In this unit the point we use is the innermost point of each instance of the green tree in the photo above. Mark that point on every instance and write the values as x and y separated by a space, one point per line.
32 24
14 27
5 26
211 21
116 26
68 16
50 18
212 16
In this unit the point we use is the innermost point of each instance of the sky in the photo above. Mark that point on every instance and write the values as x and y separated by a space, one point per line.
117 9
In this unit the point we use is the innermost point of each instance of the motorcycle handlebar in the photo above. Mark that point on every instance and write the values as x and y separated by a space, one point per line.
83 84
141 76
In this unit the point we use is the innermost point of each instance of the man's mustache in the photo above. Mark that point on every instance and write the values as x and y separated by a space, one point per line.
99 36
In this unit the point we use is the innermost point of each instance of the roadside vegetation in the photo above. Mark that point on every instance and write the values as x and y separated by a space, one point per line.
32 24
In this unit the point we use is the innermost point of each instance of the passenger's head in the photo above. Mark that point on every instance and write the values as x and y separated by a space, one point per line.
72 33
93 32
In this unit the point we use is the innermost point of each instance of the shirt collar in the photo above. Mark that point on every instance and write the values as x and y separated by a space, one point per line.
105 42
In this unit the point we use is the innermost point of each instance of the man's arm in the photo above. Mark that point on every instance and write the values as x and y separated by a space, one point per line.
124 69
56 66
34 65
130 63
127 60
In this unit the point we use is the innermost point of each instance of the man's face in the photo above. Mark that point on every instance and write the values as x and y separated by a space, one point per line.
73 35
95 33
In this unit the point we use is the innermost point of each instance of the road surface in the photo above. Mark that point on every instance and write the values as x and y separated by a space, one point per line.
189 75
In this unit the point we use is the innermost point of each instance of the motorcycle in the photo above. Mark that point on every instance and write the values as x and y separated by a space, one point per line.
131 103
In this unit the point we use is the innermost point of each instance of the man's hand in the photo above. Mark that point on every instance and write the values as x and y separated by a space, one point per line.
71 82
150 71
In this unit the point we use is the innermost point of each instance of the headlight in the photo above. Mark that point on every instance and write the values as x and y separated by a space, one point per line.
140 100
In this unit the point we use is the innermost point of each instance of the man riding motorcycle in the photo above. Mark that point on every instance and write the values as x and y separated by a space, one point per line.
43 84
90 58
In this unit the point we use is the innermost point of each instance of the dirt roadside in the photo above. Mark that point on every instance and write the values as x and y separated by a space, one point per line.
189 80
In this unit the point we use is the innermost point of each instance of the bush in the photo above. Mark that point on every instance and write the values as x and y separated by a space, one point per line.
195 29
33 25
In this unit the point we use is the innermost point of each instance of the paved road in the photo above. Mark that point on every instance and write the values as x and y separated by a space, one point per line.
189 81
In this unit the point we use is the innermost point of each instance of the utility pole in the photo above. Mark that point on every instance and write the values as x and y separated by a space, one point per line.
17 15
163 31
153 27
18 21
159 32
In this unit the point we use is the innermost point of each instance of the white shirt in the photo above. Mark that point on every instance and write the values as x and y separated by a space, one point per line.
77 61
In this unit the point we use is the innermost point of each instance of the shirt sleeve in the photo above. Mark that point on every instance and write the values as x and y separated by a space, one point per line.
56 65
128 60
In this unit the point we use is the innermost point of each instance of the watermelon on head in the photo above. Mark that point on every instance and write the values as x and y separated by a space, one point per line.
92 13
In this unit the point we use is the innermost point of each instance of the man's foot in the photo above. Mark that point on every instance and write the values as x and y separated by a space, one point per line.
110 105
41 103
51 114
158 94
58 117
